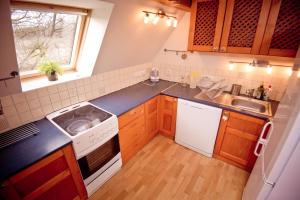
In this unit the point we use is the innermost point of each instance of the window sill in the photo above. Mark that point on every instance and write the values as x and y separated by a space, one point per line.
40 82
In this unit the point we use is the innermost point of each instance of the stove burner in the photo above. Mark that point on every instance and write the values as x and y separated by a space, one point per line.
78 126
81 119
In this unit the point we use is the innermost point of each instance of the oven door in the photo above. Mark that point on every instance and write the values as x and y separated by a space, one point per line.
96 162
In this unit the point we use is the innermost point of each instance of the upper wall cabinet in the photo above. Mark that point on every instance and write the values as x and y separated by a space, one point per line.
180 4
206 25
282 35
263 27
244 26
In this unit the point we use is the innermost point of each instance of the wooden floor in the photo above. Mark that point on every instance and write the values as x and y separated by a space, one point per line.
165 170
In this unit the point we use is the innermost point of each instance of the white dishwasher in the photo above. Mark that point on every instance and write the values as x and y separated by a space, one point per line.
197 126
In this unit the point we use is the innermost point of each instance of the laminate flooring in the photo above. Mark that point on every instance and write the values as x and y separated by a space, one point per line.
165 170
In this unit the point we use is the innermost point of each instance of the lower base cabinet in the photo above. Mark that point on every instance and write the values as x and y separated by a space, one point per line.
167 116
137 128
55 177
237 138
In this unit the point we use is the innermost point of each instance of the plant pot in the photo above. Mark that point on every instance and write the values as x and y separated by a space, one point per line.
52 76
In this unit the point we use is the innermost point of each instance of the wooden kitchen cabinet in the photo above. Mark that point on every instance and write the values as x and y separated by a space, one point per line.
55 177
167 116
132 133
260 27
180 4
244 26
237 137
282 35
206 25
151 117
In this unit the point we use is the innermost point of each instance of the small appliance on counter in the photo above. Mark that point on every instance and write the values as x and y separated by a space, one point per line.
154 75
236 89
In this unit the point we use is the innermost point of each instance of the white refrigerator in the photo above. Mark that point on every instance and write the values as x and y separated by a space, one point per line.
276 174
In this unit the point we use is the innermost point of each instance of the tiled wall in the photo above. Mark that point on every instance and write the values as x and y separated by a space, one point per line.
239 75
30 106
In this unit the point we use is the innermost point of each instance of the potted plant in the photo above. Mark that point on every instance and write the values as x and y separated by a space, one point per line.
51 69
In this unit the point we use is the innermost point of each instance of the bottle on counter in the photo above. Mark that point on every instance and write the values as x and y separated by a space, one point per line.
267 93
260 92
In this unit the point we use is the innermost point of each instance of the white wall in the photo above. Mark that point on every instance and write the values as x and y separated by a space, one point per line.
128 41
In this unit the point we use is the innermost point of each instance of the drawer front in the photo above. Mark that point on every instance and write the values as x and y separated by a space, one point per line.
132 138
130 116
130 133
41 176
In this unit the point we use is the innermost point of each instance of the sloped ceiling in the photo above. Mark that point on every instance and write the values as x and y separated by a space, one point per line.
128 41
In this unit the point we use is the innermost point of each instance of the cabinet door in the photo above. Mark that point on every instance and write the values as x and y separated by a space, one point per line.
237 138
206 24
282 35
7 52
244 25
167 113
151 113
55 177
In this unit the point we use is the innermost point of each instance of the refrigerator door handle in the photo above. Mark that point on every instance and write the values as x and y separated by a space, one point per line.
263 141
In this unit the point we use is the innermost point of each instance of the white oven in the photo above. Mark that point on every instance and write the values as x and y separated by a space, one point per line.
94 133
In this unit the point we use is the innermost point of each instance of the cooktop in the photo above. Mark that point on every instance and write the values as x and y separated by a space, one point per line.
80 119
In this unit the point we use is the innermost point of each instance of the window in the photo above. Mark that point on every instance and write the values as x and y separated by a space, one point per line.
44 31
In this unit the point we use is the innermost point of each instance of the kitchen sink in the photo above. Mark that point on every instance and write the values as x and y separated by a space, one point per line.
239 103
253 105
242 103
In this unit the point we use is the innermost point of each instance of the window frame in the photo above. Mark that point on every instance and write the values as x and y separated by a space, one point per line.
80 30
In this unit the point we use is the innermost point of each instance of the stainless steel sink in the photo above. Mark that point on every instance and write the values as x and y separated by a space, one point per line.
248 105
253 105
240 103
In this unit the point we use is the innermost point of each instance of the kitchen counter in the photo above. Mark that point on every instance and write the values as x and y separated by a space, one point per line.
17 157
187 93
23 154
121 101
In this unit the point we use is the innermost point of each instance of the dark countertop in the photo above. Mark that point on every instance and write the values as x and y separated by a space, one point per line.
121 101
187 93
23 154
17 157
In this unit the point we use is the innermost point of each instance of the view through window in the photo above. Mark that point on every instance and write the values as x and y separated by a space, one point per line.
41 35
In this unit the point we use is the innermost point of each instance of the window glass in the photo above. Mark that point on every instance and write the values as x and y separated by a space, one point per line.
43 35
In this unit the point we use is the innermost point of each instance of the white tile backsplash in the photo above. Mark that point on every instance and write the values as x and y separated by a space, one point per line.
33 105
249 80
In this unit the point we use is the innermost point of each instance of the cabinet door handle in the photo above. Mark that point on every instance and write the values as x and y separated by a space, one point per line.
215 48
225 116
197 107
263 141
223 49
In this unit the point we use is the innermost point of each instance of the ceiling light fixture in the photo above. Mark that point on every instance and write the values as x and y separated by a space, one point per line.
269 69
155 20
169 22
231 66
175 23
146 18
154 17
